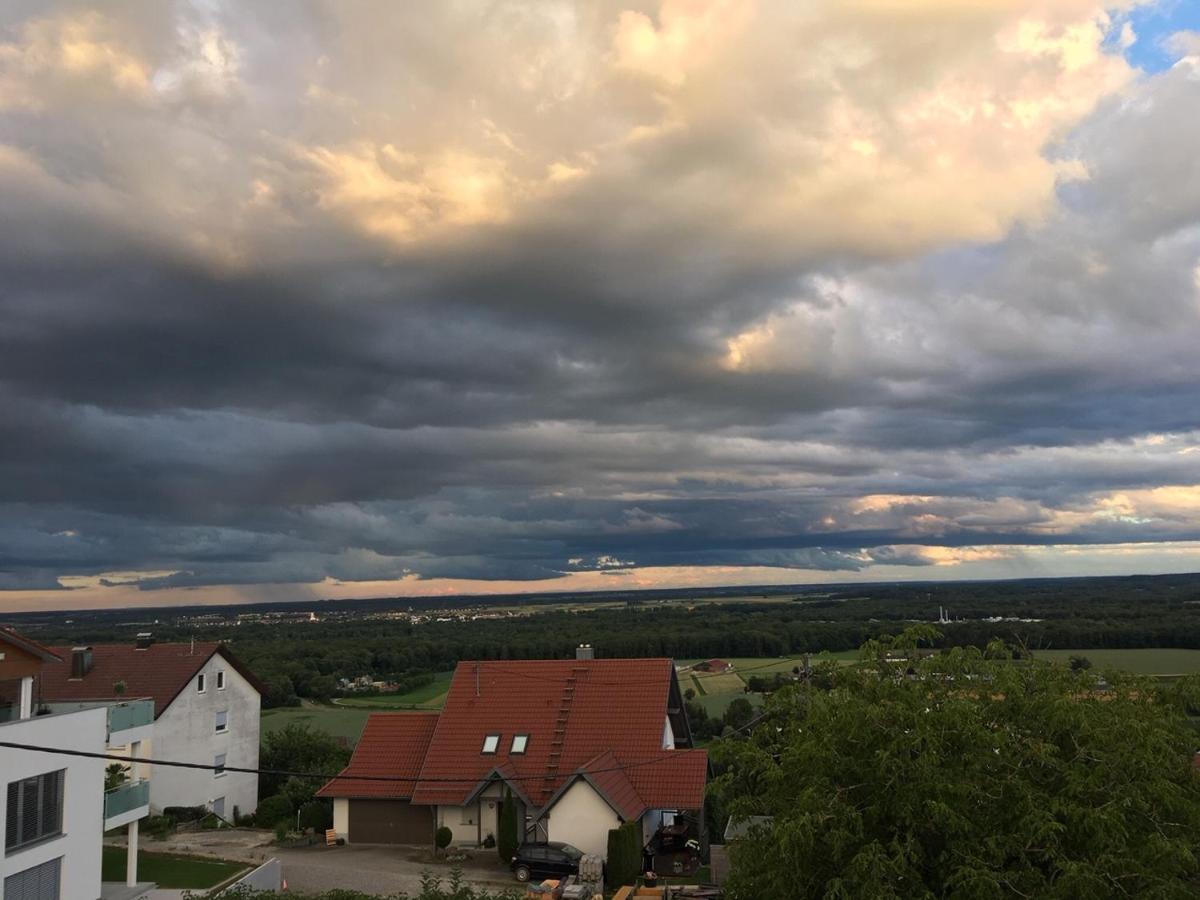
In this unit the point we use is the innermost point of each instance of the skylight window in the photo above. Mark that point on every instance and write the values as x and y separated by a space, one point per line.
490 743
519 743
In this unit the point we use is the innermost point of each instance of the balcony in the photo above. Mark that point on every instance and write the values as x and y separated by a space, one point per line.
126 803
125 717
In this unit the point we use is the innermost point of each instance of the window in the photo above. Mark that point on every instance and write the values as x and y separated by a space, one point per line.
490 743
222 721
520 741
220 679
468 816
34 809
200 683
38 883
218 765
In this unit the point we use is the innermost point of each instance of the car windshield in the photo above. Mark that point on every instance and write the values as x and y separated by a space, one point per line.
571 852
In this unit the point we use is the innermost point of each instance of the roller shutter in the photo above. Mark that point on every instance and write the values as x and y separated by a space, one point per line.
390 822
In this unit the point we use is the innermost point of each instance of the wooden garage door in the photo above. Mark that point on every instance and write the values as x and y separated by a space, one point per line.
390 822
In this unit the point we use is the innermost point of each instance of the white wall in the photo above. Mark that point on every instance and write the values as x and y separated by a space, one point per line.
186 732
484 815
452 817
83 796
668 735
341 817
582 817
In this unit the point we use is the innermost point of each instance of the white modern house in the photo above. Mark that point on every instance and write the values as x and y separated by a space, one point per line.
206 707
54 806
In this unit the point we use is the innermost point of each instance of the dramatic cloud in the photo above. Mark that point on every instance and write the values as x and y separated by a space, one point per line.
350 298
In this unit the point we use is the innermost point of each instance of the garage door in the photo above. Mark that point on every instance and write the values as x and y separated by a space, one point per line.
390 822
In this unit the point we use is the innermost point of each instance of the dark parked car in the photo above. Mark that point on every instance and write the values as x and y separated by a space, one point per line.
552 860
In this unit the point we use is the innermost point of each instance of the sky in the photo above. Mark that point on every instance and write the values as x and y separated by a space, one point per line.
353 299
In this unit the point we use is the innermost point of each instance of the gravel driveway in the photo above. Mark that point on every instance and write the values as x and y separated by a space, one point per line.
378 869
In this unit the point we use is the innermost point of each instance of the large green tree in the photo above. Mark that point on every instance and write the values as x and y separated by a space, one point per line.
965 774
299 748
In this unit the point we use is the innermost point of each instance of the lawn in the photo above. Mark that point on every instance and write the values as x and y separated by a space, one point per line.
429 696
170 871
338 721
1143 661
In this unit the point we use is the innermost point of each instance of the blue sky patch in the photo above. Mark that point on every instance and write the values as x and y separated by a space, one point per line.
1153 24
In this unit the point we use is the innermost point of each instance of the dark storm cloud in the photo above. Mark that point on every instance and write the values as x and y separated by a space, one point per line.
270 314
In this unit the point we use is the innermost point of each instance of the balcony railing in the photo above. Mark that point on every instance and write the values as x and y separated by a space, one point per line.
130 714
126 797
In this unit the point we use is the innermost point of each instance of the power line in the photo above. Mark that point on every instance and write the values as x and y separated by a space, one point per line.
88 754
498 665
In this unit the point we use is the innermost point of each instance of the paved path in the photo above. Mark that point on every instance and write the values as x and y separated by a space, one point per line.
375 869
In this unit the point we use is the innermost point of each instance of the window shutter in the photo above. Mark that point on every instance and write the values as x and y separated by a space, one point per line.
38 883
12 816
29 810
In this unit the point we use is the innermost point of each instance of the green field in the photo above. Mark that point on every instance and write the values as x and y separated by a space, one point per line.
1148 661
338 721
1142 661
429 696
169 871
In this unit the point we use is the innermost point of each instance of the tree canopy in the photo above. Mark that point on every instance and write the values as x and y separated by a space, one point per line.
965 774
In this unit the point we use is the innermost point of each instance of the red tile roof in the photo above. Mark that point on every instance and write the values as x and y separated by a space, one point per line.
572 710
391 744
159 672
601 718
668 779
29 645
608 777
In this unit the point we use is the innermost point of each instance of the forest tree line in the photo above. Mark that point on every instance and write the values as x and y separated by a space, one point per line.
297 660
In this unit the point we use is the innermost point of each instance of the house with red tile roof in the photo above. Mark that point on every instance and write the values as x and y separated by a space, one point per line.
206 710
53 792
580 746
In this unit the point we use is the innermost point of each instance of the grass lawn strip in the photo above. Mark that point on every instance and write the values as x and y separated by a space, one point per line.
170 870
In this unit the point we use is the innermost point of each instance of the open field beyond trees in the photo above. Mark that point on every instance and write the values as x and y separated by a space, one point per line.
429 696
342 722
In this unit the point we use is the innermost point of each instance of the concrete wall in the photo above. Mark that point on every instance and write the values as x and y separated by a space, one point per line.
83 796
581 817
186 731
267 877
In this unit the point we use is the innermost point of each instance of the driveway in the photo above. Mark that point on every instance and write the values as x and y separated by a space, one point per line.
378 869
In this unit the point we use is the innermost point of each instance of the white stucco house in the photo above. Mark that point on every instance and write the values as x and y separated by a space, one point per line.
580 746
55 806
206 710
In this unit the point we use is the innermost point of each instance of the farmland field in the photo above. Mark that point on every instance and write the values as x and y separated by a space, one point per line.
1143 661
429 696
717 683
340 722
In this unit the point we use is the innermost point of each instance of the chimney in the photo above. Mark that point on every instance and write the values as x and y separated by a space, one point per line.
144 640
585 651
81 661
